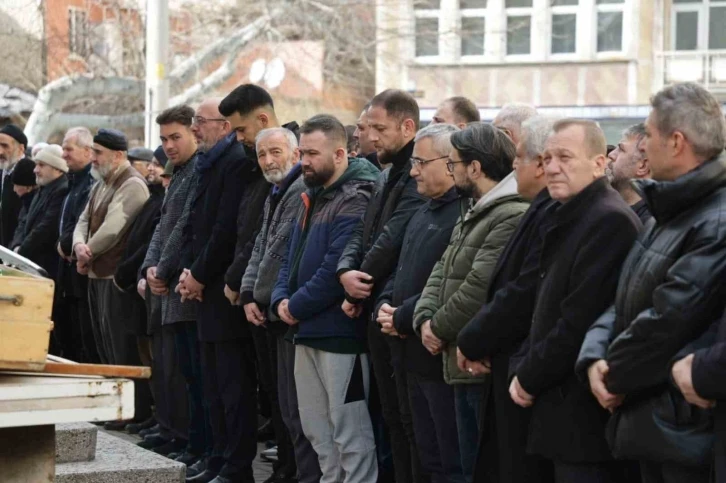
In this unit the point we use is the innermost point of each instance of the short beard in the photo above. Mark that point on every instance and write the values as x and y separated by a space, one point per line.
467 190
277 176
100 173
40 181
315 179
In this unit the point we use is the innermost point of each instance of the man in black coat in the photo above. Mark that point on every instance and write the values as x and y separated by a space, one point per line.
672 287
503 323
372 253
426 238
251 107
12 149
628 162
226 174
72 286
585 240
700 377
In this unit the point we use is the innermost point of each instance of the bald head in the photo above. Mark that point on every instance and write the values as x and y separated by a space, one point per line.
209 125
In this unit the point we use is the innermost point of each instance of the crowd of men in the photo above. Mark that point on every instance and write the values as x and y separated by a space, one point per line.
511 301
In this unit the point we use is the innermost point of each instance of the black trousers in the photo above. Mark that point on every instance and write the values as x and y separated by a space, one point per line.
267 370
397 417
229 374
187 348
433 407
674 473
168 385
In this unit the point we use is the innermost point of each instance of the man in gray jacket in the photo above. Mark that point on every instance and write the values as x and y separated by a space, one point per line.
161 269
278 156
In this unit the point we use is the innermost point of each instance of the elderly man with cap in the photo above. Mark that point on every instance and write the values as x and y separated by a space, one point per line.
100 239
38 230
140 159
12 149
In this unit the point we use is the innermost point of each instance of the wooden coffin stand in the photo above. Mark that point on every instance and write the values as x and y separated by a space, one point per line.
39 391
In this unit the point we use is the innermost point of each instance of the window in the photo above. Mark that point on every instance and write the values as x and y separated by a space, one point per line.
698 25
519 27
564 26
426 27
473 26
610 25
78 32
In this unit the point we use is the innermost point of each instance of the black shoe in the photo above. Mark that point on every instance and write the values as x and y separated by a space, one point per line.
134 428
187 458
175 445
152 441
204 477
197 468
145 432
266 431
116 425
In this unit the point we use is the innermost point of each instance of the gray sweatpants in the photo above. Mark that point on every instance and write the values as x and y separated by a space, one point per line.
332 392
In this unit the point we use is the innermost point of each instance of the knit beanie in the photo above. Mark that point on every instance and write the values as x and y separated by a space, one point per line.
52 155
23 174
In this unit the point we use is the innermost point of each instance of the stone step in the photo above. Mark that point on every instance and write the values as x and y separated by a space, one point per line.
118 461
75 442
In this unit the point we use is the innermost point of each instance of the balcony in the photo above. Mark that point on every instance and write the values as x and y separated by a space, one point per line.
706 67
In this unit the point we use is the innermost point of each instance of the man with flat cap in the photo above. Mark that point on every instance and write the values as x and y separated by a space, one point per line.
100 238
140 159
12 149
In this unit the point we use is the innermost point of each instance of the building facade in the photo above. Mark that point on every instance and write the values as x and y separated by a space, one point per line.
597 59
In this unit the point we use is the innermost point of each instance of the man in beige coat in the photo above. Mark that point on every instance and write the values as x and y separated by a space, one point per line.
100 238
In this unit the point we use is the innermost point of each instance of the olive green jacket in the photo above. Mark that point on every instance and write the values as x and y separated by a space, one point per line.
457 286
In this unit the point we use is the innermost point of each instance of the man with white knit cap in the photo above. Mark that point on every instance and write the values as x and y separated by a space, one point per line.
40 228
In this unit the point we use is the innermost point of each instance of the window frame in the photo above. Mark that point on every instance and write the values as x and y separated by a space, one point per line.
563 10
73 14
703 9
518 12
474 13
625 36
428 13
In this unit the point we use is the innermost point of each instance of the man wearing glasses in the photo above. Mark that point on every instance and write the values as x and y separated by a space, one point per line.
481 164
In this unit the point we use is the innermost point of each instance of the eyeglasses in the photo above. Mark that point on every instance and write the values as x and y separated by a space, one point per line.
203 120
417 162
450 165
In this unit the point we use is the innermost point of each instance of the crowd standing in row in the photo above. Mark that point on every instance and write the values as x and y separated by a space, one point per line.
504 302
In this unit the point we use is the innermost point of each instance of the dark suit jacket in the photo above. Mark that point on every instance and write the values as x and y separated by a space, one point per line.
210 235
585 242
496 332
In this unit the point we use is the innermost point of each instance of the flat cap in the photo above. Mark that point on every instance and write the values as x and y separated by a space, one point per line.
140 154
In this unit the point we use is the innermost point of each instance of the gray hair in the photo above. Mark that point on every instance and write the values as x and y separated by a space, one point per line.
535 132
693 111
440 135
511 116
636 132
81 136
266 133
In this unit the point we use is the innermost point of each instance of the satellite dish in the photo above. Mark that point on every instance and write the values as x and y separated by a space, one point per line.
275 73
257 70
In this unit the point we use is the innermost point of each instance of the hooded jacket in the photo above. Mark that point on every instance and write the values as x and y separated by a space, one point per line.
308 274
458 284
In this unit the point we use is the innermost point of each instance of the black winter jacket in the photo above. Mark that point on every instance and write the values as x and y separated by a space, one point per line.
584 244
426 238
140 233
26 200
709 381
40 227
72 283
376 241
671 287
